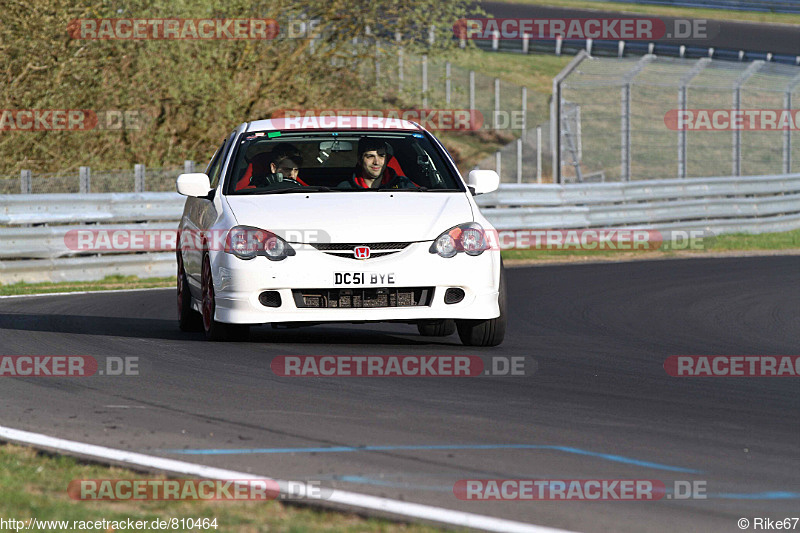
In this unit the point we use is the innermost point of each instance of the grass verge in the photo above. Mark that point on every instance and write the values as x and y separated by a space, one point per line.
734 242
107 283
35 485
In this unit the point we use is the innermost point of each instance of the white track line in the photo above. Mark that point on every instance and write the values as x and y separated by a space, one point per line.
106 291
352 499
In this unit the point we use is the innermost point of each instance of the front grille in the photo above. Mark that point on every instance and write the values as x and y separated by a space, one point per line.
361 298
377 249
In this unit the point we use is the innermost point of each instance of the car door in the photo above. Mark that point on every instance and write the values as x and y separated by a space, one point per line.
196 219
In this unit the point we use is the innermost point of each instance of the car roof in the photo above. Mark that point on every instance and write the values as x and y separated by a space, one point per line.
330 123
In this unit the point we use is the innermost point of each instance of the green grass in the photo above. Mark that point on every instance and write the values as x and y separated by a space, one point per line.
734 242
766 241
35 486
107 283
688 12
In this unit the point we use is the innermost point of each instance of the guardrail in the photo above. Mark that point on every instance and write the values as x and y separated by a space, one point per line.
722 205
16 209
775 6
753 204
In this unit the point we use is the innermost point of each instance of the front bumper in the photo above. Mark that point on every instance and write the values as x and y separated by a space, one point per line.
238 284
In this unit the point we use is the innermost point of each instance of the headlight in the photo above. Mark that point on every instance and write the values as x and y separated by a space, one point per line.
246 242
445 245
467 238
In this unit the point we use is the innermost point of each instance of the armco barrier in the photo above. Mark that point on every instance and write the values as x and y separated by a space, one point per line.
721 205
753 204
157 265
17 209
773 6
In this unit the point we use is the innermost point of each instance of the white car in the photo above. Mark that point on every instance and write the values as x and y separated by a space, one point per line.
284 228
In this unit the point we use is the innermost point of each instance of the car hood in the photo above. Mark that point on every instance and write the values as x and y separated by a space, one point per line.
354 217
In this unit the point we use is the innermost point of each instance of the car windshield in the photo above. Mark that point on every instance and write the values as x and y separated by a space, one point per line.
273 162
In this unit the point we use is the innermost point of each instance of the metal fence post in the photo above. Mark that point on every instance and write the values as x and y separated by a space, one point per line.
496 115
555 113
625 132
495 40
519 160
625 122
525 43
431 34
472 90
85 179
138 176
538 154
424 81
497 163
682 103
737 106
787 133
447 82
188 166
524 132
25 181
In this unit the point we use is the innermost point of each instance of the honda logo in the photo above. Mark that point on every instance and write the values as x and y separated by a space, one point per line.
361 252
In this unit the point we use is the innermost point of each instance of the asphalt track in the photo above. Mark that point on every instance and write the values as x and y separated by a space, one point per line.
599 406
733 35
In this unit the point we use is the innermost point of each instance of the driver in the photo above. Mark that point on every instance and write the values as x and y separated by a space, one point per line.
371 170
285 162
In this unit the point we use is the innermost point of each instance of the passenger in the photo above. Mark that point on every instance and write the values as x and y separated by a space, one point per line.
284 167
372 170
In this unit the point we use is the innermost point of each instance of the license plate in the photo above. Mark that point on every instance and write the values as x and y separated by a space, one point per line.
363 278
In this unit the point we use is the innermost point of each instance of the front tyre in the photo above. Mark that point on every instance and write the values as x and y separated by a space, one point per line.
188 318
217 331
486 332
436 328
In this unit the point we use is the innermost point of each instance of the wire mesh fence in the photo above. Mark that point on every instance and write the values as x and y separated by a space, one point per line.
417 81
660 118
88 181
526 160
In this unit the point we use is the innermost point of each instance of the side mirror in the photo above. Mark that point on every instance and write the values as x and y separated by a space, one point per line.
483 181
195 184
